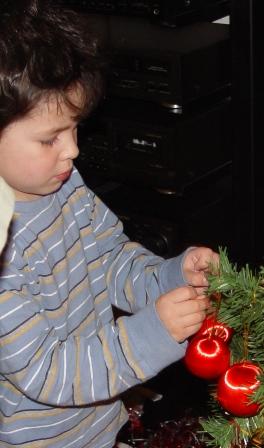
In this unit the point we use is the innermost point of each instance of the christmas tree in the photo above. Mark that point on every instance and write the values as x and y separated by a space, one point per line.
232 340
228 351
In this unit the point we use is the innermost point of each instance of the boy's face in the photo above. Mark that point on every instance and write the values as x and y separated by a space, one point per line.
37 151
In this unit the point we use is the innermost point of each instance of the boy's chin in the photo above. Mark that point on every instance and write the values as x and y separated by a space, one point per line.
28 196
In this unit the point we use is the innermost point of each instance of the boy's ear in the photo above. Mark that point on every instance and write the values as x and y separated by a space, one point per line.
7 202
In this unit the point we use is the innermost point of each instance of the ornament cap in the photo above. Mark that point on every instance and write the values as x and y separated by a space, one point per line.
211 326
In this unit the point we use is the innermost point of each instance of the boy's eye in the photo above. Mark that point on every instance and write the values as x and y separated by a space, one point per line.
48 142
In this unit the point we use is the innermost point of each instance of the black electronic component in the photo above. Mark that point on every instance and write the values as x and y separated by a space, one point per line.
167 12
142 143
168 66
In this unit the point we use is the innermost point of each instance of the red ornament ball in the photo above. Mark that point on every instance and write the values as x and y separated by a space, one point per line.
235 389
207 356
211 326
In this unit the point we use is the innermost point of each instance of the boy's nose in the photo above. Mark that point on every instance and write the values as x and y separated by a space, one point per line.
74 151
71 150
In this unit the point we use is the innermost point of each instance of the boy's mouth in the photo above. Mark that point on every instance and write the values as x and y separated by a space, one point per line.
64 176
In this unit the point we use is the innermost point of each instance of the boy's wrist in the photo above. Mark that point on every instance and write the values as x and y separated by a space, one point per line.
171 273
152 345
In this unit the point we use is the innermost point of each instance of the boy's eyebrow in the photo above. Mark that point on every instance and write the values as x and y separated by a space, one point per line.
54 130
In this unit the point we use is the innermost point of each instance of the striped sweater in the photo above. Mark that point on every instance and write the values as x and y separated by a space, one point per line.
64 360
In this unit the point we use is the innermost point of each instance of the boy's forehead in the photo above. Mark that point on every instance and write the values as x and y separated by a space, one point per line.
50 113
58 103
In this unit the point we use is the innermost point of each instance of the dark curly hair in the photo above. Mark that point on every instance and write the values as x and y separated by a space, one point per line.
45 50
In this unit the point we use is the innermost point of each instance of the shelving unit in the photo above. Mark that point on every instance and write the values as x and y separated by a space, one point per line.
158 150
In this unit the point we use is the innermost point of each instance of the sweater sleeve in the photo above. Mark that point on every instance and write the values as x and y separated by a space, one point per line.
78 370
135 276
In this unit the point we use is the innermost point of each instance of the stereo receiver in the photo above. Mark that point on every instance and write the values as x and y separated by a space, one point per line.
172 67
178 12
167 224
165 65
135 142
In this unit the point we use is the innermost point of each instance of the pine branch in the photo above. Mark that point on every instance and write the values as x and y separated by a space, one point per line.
240 305
220 432
226 432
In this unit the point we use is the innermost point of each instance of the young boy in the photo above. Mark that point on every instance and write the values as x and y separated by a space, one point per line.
64 360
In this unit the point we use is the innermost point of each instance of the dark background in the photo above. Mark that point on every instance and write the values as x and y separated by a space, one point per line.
176 147
200 181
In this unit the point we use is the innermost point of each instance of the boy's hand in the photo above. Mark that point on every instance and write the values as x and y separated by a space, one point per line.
182 311
196 263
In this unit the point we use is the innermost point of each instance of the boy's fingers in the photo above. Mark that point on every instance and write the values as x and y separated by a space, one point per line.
195 306
198 279
181 294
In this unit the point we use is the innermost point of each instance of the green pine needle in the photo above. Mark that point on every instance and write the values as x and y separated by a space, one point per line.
242 308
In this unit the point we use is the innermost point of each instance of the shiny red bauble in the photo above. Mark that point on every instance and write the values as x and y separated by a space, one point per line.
235 389
207 356
211 326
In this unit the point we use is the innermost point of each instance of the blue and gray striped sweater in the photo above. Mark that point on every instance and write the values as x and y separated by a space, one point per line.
64 360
